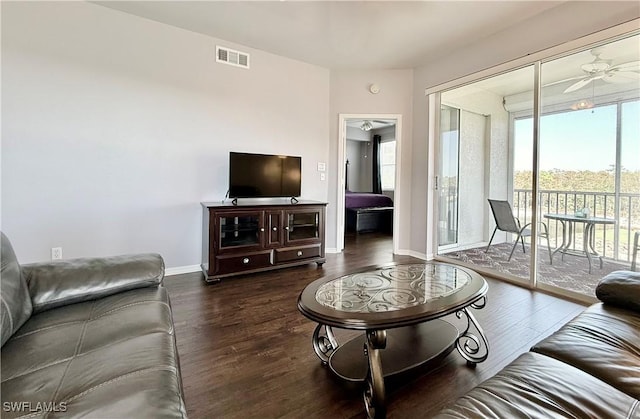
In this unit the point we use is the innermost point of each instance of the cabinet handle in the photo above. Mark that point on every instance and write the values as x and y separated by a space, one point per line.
299 252
245 260
275 229
262 229
287 228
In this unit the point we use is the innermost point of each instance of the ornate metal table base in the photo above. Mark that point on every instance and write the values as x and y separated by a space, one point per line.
473 347
401 309
324 342
360 359
374 394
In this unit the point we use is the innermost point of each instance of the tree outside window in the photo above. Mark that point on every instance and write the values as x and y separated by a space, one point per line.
388 165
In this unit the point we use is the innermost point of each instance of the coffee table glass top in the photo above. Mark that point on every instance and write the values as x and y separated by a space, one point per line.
391 288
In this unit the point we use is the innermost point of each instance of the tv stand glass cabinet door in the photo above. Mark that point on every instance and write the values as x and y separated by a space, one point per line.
302 226
240 230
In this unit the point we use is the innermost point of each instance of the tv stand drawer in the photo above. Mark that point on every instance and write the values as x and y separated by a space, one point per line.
245 262
297 253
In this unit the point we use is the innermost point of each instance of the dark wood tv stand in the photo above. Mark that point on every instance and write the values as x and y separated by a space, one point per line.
247 237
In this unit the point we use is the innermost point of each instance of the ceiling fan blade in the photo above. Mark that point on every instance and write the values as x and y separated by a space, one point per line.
630 66
621 77
578 85
563 81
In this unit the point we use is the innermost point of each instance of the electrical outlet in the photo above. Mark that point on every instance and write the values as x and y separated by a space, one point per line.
322 176
56 253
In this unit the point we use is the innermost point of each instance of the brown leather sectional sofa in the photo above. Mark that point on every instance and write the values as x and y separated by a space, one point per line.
590 368
88 337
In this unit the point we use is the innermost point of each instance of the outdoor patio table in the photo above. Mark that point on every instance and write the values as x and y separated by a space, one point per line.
588 236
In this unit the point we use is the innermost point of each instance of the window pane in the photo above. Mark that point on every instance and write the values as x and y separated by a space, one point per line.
388 177
388 165
629 221
578 150
388 155
581 136
630 156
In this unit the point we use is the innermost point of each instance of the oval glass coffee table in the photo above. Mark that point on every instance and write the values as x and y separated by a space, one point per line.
400 308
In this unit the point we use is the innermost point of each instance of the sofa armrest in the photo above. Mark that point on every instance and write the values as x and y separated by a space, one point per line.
620 289
58 283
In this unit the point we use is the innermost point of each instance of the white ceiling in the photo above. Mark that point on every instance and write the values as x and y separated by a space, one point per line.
343 34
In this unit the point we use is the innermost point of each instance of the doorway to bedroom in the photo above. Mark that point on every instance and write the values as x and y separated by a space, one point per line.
370 145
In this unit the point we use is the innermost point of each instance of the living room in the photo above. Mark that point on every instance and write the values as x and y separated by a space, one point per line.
116 126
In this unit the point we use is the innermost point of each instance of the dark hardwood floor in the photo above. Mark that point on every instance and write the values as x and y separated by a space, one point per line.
246 352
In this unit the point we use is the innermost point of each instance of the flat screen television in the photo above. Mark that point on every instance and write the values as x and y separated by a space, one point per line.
264 175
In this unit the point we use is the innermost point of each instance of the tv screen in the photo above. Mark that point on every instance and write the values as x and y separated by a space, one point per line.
264 175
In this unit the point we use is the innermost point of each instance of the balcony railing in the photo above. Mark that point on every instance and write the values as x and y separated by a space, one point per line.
613 241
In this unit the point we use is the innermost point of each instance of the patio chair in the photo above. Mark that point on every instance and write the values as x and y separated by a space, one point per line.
636 247
506 221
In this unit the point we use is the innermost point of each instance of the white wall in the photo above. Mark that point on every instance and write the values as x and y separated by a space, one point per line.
116 127
350 94
566 22
471 179
494 182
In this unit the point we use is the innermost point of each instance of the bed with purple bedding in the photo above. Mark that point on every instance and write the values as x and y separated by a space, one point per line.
366 212
366 200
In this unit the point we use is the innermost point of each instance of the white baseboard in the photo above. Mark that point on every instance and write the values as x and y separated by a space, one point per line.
181 270
413 253
332 250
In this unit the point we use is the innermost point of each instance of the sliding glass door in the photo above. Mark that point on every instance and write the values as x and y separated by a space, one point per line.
475 168
448 177
548 196
589 166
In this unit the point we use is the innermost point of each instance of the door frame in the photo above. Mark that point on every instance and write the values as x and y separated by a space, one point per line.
397 194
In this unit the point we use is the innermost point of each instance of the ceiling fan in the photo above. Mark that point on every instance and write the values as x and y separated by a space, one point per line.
601 69
368 126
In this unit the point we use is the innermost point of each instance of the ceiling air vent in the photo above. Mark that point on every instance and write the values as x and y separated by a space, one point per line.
232 57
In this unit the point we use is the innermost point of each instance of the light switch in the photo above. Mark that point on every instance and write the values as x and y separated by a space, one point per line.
322 167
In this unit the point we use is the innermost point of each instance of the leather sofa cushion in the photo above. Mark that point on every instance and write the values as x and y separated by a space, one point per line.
58 283
111 357
604 341
621 289
15 302
536 386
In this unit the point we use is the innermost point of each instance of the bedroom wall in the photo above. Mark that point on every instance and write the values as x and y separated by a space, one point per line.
115 128
354 155
566 22
357 147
